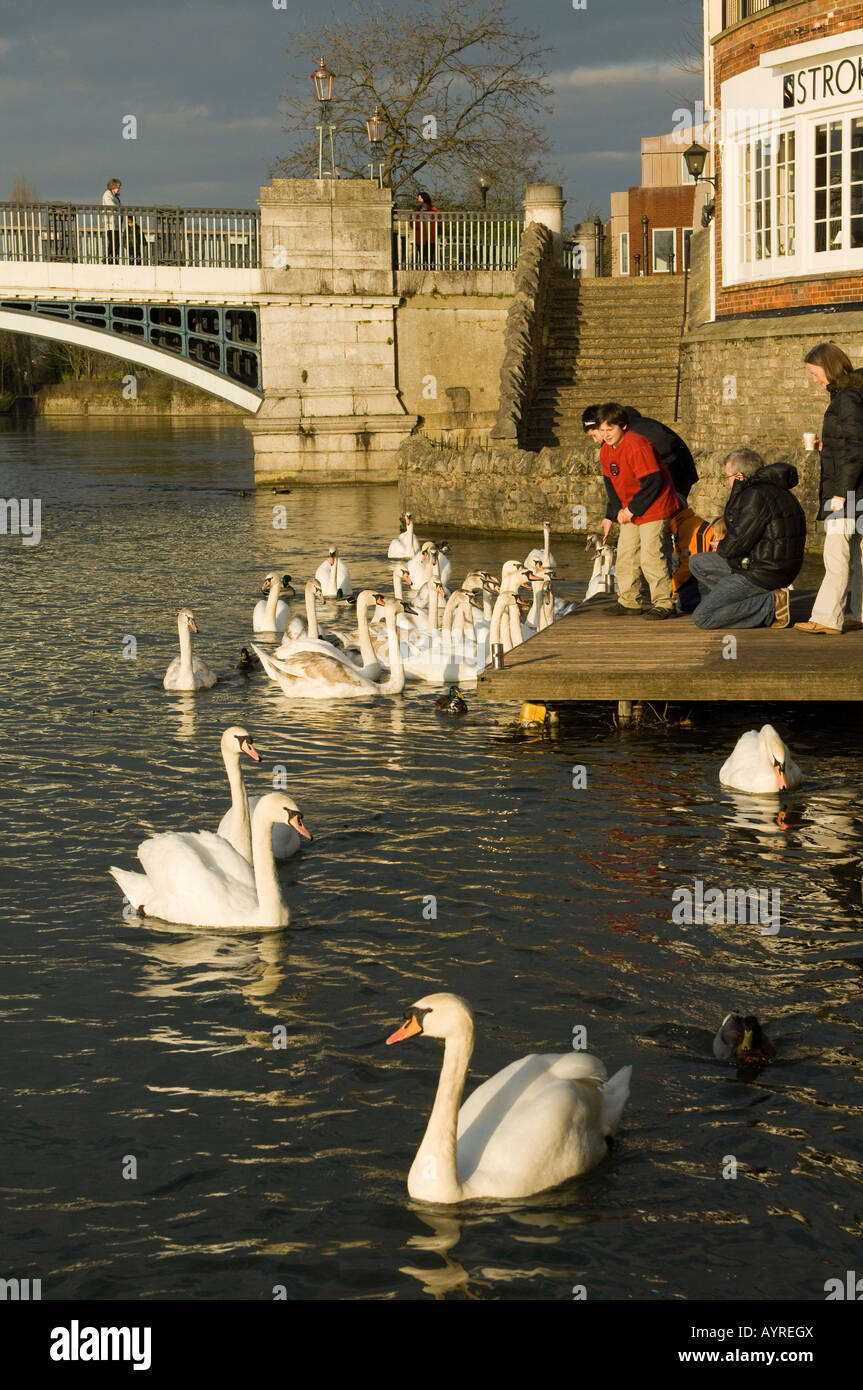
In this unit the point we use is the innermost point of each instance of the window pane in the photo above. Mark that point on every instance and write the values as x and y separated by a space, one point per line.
856 233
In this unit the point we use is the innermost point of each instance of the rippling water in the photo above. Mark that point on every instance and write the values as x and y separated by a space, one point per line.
258 1166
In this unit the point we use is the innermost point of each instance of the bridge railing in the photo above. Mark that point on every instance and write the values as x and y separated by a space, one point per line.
455 241
217 238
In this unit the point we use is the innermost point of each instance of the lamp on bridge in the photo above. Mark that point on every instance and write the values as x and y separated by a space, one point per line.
323 80
376 129
695 158
484 186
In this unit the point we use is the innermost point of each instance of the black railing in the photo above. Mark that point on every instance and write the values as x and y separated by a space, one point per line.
217 238
735 10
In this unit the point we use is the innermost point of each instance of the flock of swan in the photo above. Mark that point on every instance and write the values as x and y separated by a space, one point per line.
544 1119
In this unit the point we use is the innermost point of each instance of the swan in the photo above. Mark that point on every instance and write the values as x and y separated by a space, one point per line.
603 579
742 1040
303 635
199 880
428 565
334 576
365 659
188 672
449 658
405 546
541 559
532 1126
323 676
273 613
236 824
761 764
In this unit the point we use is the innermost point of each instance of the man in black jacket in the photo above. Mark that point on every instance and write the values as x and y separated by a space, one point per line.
744 584
673 451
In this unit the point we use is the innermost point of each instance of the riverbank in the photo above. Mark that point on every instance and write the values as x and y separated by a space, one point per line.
110 397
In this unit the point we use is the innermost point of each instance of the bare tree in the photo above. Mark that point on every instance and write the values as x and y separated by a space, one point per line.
23 191
460 89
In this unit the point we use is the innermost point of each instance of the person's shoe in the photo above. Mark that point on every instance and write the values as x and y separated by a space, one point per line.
659 613
818 627
851 625
782 608
620 611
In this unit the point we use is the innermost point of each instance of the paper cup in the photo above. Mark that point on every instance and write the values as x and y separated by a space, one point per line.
809 439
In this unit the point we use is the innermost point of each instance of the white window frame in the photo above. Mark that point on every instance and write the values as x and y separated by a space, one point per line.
654 233
623 253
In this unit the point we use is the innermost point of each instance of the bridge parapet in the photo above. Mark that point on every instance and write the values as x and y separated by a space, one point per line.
208 238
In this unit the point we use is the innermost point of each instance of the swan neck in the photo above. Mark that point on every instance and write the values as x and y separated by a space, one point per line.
364 605
185 649
271 908
433 605
440 1141
396 683
241 823
311 611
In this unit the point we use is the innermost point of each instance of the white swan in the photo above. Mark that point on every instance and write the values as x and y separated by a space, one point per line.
451 657
323 676
334 576
405 546
761 764
541 559
603 579
366 659
540 1121
428 565
199 880
273 613
188 672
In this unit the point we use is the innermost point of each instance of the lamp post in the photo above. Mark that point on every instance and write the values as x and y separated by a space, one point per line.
323 80
597 245
484 186
695 158
644 255
376 129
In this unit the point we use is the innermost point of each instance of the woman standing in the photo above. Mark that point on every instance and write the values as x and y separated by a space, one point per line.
841 446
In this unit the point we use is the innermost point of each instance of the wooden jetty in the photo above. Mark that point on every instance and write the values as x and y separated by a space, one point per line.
593 655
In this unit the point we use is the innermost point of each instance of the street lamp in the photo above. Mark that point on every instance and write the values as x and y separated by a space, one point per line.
597 245
484 186
695 158
376 129
323 80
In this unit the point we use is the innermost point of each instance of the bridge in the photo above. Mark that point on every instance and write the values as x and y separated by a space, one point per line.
289 311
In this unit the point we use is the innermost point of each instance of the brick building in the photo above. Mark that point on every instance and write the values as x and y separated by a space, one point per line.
784 79
665 198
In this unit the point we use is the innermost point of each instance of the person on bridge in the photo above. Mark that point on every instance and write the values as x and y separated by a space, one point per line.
745 582
641 498
111 199
425 229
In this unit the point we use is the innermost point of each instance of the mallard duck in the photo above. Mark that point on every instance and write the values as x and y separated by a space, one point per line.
453 703
248 661
742 1040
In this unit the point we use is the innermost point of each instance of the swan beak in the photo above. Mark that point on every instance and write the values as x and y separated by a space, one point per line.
297 823
193 625
409 1029
265 587
248 747
781 778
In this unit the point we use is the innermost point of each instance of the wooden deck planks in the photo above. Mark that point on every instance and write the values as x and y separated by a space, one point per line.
593 656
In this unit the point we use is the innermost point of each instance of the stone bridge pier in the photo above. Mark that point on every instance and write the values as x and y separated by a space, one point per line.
332 410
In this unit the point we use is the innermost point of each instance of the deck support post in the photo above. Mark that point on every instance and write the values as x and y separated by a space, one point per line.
624 712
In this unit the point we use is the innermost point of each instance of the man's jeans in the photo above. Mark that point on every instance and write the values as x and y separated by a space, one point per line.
728 599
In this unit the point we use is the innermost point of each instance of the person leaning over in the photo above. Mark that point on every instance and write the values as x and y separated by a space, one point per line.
672 450
841 483
744 584
641 497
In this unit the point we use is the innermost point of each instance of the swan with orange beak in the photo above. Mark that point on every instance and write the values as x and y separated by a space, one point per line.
761 764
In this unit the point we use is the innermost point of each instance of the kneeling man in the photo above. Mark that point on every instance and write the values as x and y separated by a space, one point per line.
744 584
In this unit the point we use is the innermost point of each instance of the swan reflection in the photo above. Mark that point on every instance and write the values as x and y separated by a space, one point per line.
176 963
183 707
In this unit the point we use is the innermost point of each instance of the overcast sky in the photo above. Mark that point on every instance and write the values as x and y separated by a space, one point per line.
204 78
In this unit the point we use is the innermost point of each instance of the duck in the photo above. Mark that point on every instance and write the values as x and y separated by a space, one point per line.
744 1041
324 676
334 576
248 661
534 1125
761 764
197 879
451 703
406 545
187 672
273 613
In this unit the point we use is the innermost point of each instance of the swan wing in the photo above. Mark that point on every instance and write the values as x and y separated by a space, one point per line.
317 676
199 879
532 1126
747 769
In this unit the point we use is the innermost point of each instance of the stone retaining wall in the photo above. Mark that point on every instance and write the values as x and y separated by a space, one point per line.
105 398
476 489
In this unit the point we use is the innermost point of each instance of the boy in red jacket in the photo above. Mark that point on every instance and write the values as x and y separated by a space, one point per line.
641 497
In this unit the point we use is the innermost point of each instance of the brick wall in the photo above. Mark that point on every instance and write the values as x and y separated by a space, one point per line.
665 207
738 50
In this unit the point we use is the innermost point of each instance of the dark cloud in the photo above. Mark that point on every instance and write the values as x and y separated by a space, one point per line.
204 81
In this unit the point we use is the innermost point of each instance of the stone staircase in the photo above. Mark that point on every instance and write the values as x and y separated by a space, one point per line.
610 339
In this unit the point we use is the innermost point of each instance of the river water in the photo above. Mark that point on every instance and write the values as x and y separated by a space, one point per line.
127 1048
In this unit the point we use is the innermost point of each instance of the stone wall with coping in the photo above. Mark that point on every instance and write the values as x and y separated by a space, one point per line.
449 350
105 398
524 334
